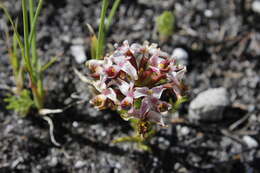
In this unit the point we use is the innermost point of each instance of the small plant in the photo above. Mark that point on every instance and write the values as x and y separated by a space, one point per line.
141 82
98 43
24 60
21 102
165 25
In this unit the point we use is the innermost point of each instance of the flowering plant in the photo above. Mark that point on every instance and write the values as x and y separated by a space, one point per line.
140 81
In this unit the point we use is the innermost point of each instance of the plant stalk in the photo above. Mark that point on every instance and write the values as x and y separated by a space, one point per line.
101 31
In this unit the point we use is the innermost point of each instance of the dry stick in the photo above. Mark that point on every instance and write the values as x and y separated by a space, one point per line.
237 123
232 136
49 120
82 77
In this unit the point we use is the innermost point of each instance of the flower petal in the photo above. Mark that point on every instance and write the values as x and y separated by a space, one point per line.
163 107
99 101
177 91
119 60
112 71
155 117
127 103
123 86
155 60
99 85
93 63
135 48
110 93
141 92
130 70
157 91
180 74
145 107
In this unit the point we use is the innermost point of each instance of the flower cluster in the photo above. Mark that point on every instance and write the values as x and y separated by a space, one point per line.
140 81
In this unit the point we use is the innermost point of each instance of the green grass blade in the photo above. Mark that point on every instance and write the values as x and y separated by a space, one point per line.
26 41
14 56
112 14
32 42
93 42
13 25
48 64
101 31
35 20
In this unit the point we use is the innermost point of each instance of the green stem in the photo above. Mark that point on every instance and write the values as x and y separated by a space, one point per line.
35 20
26 52
112 14
36 84
13 26
33 42
101 31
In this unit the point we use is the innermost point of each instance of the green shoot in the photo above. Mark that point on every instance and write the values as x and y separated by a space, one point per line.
98 43
165 25
141 141
101 31
21 103
29 63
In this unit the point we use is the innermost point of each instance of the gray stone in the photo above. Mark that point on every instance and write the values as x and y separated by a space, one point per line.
251 142
209 105
80 164
78 52
53 162
256 6
180 55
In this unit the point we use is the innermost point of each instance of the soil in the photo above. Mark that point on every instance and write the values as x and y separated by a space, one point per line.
222 39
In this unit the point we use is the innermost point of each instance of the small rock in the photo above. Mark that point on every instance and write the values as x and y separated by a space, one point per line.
53 162
118 165
77 41
65 38
208 13
251 142
79 54
75 124
80 164
8 129
180 55
17 162
209 105
256 6
184 131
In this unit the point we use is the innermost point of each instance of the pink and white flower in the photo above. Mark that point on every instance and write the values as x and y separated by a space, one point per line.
133 79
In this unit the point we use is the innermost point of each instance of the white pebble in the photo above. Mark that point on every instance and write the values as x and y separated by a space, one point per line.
208 13
75 124
180 55
256 6
53 162
80 164
78 52
184 131
251 142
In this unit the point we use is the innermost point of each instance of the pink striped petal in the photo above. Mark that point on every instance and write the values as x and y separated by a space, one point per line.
155 117
127 103
145 107
157 91
180 74
110 93
130 70
141 92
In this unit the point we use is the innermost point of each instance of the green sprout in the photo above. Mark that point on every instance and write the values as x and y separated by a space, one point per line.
165 25
98 43
142 142
24 60
21 103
